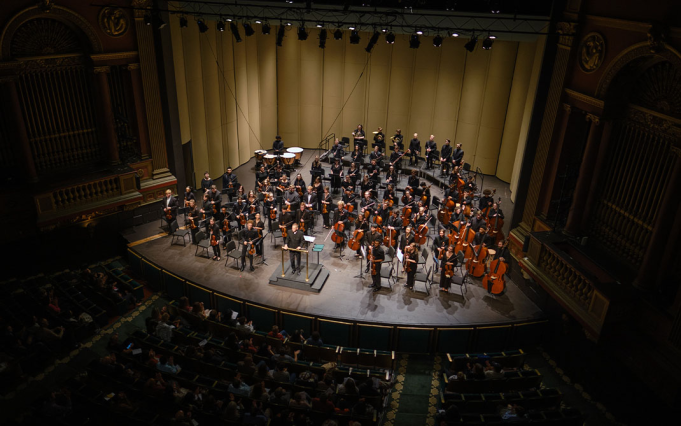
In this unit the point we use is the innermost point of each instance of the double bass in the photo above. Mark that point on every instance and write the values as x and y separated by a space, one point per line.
495 225
494 281
476 265
465 238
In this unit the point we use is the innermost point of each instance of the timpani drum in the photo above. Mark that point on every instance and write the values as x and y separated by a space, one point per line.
298 152
259 154
269 159
288 158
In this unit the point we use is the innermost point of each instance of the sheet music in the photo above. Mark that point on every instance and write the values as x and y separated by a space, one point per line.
364 252
309 238
399 255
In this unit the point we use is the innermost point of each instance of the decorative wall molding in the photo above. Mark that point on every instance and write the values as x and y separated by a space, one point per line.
102 69
115 56
581 97
594 119
591 52
655 121
113 21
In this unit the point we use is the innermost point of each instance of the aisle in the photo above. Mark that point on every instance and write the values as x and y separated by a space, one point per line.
411 397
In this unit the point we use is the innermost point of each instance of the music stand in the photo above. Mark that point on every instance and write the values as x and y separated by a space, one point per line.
361 263
262 249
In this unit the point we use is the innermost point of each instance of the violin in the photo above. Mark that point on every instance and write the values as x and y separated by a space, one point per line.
251 209
213 240
284 230
354 243
225 225
192 225
169 214
407 262
449 269
215 209
301 226
251 249
325 208
273 213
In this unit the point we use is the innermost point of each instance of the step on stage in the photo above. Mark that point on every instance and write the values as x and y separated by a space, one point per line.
316 274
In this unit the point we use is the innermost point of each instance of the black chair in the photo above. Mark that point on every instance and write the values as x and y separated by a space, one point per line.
460 258
389 275
202 243
461 281
389 255
232 253
275 232
424 258
424 278
465 170
178 233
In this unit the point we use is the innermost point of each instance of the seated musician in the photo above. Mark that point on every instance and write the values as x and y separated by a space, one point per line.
357 155
479 235
421 218
478 221
504 255
336 151
495 211
451 194
486 200
374 172
470 185
253 206
261 175
353 173
188 196
316 168
367 184
366 200
248 237
278 146
467 203
377 155
349 195
391 176
395 222
383 211
389 194
276 173
413 180
379 139
457 216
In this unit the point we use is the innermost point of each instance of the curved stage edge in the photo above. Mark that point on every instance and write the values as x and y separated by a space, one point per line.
403 335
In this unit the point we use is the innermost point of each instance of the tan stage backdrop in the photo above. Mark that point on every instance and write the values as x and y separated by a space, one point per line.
235 97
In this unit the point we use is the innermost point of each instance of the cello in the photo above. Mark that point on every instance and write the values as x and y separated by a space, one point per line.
338 233
406 214
355 242
421 234
389 239
494 281
465 238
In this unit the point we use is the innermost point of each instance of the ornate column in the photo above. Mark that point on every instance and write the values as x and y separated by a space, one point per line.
106 113
553 162
597 174
565 40
647 273
140 114
574 220
152 94
20 127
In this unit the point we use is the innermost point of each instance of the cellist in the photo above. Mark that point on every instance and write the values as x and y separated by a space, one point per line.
496 217
447 265
486 200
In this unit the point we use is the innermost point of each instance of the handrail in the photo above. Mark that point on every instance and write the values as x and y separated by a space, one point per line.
324 143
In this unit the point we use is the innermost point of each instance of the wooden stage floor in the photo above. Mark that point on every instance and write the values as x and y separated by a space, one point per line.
343 297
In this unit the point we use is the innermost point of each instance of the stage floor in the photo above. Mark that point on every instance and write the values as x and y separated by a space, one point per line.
343 296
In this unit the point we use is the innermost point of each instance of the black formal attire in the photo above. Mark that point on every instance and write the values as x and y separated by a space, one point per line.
457 156
446 158
304 216
269 205
292 198
258 245
411 275
342 216
194 214
379 256
261 176
230 184
206 184
336 152
485 202
188 196
215 199
361 142
301 184
354 175
479 238
214 231
393 160
253 209
311 199
247 237
445 281
390 195
364 226
171 203
405 240
399 140
414 182
378 156
241 209
391 178
374 172
278 147
379 139
316 170
287 219
383 213
336 170
357 157
439 242
414 151
295 240
329 207
369 185
477 223
430 155
502 253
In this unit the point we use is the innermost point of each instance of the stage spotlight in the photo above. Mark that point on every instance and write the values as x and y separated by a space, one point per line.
390 38
419 32
338 34
202 26
235 31
158 22
352 28
266 28
372 41
302 33
220 26
414 41
470 45
488 42
228 19
147 19
322 38
495 6
280 35
437 41
258 21
320 25
248 29
354 37
454 34
183 22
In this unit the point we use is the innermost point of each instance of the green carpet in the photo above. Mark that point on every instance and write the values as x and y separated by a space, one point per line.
414 397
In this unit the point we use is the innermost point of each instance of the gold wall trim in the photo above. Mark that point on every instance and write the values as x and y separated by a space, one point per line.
114 56
581 97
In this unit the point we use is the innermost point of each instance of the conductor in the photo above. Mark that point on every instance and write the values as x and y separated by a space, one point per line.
295 240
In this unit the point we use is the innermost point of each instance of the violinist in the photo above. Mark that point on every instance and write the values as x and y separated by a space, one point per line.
304 217
268 188
310 199
240 192
347 186
396 158
407 198
270 204
353 173
214 237
188 196
398 140
478 221
431 147
316 169
278 146
276 173
359 136
259 226
374 172
457 155
376 154
241 212
446 157
411 256
336 172
379 138
291 197
337 150
467 203
486 200
299 183
327 206
447 265
261 175
439 245
192 220
413 180
391 176
470 185
206 210
377 257
206 182
287 217
414 150
169 207
357 156
248 237
229 183
253 206
389 194
407 239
